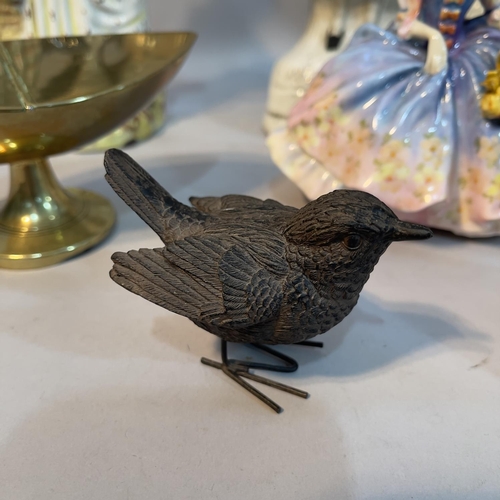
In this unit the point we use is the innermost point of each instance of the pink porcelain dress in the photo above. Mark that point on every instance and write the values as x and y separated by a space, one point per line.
374 120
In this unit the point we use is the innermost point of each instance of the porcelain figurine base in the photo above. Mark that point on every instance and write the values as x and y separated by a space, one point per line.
43 224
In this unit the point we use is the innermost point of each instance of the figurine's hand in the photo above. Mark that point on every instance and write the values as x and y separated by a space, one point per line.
437 54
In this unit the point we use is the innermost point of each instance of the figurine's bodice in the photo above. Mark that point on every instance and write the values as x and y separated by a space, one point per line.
448 16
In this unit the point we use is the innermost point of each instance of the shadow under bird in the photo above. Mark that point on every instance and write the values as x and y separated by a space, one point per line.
254 271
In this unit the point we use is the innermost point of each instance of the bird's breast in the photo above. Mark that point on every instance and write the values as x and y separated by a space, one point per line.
307 311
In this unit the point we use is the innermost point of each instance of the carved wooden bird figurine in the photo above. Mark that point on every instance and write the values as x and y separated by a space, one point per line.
254 271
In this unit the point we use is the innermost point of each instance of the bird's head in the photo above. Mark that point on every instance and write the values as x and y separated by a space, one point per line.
352 228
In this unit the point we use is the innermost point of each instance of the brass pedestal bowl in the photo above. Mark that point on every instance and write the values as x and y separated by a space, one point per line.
56 95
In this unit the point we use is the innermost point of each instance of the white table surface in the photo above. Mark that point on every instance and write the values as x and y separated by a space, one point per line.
103 396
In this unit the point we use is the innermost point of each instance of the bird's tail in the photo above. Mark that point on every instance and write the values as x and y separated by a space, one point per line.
154 204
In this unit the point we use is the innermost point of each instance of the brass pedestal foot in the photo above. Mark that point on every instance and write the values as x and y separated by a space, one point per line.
43 224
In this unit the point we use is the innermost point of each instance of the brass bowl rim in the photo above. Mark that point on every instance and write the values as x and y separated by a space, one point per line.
191 39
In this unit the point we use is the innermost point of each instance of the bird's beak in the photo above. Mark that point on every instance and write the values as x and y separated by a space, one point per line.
408 231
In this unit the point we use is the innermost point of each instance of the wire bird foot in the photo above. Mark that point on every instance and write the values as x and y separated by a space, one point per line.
237 370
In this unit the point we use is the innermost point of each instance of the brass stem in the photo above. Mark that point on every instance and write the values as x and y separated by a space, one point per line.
37 201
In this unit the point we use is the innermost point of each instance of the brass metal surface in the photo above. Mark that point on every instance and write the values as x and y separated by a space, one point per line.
42 223
56 95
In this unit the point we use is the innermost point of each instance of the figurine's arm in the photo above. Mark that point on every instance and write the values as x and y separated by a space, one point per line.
492 6
410 27
476 10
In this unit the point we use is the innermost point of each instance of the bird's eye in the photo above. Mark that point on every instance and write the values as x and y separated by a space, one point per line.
352 242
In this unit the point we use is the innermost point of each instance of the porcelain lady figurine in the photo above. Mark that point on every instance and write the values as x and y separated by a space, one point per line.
398 114
52 18
331 25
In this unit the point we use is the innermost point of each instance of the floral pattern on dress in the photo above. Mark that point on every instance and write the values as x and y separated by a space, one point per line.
416 140
493 190
488 150
348 144
392 165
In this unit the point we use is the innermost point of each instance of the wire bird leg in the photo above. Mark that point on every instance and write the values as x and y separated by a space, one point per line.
237 370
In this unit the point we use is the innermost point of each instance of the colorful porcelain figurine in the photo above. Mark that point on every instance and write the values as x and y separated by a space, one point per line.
331 25
398 114
52 18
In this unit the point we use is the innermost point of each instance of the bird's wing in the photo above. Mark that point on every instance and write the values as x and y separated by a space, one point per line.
215 205
149 274
217 280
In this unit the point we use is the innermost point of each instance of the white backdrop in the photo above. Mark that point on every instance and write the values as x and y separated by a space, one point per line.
103 397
